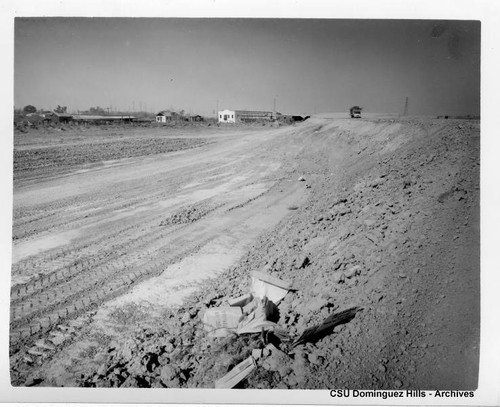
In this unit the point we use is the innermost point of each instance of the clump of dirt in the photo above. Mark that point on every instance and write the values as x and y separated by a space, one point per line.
189 215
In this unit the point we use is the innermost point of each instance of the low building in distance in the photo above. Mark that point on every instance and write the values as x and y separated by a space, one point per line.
238 116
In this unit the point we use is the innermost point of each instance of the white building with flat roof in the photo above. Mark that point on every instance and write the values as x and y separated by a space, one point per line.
227 116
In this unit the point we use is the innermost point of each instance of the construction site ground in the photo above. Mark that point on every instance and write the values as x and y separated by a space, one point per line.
124 236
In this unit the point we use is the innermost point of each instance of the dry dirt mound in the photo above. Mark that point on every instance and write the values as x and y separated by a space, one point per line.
391 226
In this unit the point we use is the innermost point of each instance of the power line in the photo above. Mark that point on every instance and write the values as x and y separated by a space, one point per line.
406 107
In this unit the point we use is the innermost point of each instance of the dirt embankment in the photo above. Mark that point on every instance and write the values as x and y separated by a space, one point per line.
390 224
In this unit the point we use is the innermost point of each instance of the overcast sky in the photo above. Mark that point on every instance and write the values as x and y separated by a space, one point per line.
309 66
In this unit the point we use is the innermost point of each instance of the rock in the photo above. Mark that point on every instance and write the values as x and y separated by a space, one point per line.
338 201
316 358
277 361
301 179
186 318
353 271
58 338
292 381
301 261
370 222
44 345
381 368
376 182
36 352
169 348
338 277
398 383
167 373
28 360
102 370
33 381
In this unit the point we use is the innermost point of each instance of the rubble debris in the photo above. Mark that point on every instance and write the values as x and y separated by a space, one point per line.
236 375
317 332
248 313
220 322
265 285
259 317
240 301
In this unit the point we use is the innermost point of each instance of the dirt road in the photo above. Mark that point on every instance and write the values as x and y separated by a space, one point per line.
106 250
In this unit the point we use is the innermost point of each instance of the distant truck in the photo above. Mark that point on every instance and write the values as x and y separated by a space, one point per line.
355 112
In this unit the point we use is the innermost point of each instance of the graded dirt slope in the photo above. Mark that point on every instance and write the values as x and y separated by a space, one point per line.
114 265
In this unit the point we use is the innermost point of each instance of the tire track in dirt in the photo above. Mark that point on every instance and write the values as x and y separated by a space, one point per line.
87 270
37 306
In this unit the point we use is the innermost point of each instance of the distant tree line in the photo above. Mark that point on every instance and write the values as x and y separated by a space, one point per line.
32 109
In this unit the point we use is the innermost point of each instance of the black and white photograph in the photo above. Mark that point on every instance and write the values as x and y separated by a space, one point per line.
239 203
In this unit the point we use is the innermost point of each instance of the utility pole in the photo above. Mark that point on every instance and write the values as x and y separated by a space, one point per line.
406 107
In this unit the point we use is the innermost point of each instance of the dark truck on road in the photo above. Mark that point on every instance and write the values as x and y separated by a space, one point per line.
355 112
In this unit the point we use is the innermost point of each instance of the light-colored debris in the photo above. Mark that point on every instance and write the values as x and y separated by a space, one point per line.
220 322
265 285
257 354
236 375
240 301
42 344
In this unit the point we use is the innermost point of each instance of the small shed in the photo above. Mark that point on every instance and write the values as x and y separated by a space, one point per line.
61 117
196 118
164 116
168 115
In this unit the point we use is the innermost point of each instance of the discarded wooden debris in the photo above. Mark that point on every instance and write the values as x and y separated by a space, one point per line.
236 375
317 332
240 301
